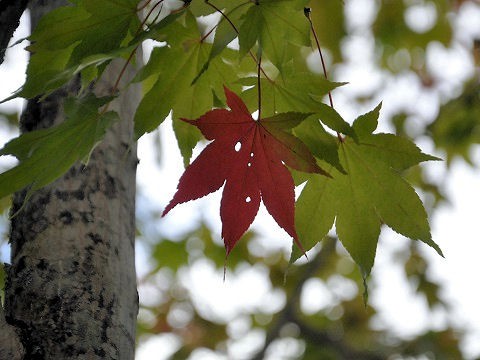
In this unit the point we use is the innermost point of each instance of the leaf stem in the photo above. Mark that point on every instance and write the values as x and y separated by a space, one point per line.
223 14
259 85
122 72
132 53
148 15
312 28
307 12
208 33
236 30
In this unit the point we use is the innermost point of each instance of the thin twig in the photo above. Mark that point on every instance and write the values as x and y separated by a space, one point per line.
312 28
124 68
148 15
307 12
236 30
132 53
208 33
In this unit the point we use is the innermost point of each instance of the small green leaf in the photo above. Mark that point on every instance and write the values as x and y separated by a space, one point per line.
287 120
81 25
366 124
170 254
47 154
170 85
271 24
330 117
45 73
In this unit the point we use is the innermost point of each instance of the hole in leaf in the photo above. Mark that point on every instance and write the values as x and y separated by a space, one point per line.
251 154
238 146
248 199
249 164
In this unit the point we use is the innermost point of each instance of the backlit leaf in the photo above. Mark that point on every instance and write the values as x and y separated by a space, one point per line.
371 193
271 24
249 157
47 154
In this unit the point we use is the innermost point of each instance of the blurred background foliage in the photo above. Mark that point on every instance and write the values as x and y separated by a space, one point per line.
403 38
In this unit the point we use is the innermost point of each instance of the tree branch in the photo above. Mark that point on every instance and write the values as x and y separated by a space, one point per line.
10 13
324 339
287 313
320 338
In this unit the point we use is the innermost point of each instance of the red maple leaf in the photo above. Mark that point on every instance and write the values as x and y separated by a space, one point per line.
249 157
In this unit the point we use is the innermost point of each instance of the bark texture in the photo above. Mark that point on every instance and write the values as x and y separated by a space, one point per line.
71 287
10 346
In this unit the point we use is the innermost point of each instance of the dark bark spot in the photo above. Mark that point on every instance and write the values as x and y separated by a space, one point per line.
110 187
55 302
33 214
88 269
70 350
107 322
42 114
42 265
61 195
67 195
71 173
21 264
66 217
73 268
96 238
86 216
78 194
100 352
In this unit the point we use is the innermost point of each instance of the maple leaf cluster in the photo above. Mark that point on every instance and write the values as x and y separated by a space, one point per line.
250 158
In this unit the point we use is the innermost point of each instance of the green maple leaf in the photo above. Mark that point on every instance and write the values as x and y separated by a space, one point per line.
44 155
272 23
371 193
82 25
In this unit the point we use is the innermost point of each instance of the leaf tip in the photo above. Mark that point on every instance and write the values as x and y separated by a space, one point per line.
437 249
167 209
300 246
429 157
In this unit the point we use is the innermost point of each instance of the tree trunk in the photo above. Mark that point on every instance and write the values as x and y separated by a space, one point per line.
71 287
10 13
